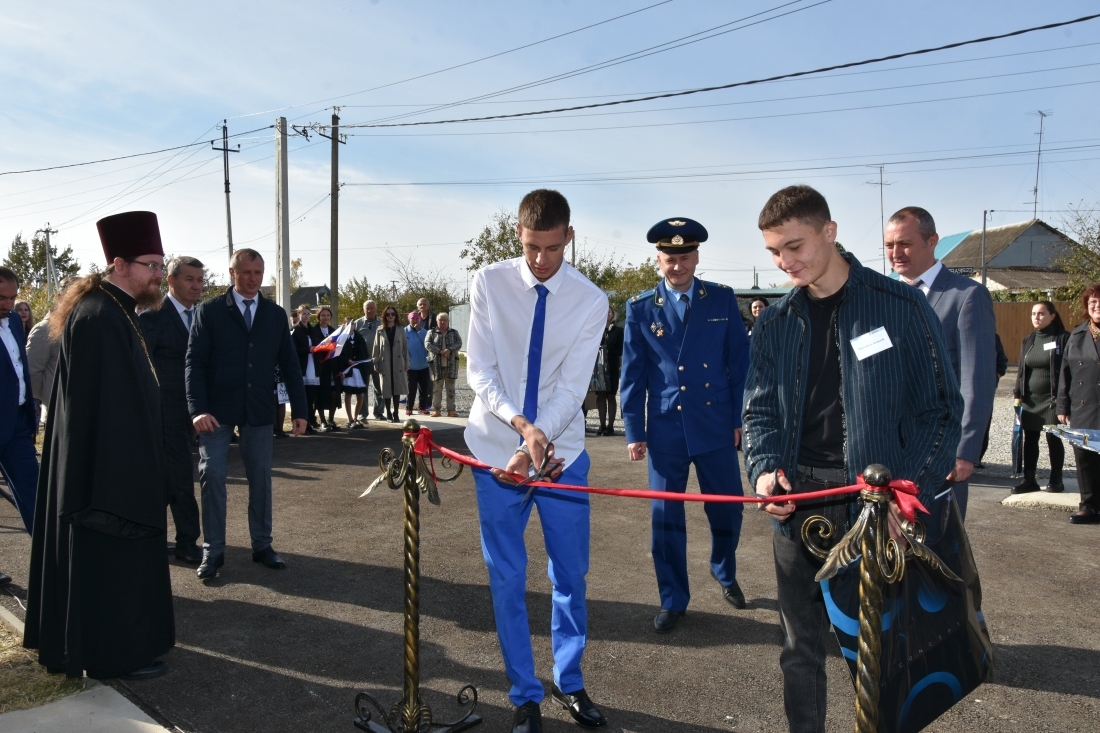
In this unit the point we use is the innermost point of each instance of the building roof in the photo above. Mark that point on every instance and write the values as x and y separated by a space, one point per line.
968 252
306 295
1013 278
947 244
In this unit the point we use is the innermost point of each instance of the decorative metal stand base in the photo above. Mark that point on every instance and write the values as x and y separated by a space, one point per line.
411 714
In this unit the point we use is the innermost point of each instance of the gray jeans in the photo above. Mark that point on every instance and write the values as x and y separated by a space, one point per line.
255 446
802 615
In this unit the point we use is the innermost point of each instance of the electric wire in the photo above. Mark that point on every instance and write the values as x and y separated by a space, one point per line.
459 66
733 85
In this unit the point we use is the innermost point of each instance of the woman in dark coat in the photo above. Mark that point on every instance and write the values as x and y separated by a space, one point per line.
327 396
611 354
1079 401
1036 391
302 335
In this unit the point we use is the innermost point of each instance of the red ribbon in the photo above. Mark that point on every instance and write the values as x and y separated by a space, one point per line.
905 491
905 494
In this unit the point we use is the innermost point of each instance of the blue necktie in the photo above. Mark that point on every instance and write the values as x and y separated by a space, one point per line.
187 313
248 313
534 356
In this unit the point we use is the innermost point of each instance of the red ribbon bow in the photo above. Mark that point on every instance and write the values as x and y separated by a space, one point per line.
905 494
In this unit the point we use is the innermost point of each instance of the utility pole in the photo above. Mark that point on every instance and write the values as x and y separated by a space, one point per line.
881 208
52 284
1038 160
225 151
985 217
334 218
282 218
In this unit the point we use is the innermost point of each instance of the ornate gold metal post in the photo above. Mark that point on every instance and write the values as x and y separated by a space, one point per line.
881 562
411 714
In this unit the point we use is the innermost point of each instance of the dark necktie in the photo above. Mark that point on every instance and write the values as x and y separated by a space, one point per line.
248 313
188 314
687 306
534 356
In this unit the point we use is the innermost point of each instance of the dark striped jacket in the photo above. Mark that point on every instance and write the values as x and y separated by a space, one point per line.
902 406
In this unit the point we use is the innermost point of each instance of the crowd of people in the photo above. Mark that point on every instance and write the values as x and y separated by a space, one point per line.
849 368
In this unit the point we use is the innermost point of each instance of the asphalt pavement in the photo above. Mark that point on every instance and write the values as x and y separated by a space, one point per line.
289 650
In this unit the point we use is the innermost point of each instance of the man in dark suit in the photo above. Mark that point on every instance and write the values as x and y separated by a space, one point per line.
18 421
969 327
685 357
236 343
166 332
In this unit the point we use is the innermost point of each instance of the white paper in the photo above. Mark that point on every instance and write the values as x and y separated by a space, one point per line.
871 343
1050 346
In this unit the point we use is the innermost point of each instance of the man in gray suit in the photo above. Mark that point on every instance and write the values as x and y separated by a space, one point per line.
969 327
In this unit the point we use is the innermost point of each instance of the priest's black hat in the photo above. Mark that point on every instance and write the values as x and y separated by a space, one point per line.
129 235
678 235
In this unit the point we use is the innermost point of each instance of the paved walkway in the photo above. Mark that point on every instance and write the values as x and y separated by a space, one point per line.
96 709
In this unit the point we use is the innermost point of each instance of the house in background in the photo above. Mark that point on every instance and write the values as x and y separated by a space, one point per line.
310 295
1022 256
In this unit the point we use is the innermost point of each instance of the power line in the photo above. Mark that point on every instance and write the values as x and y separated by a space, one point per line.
459 66
729 119
632 56
126 157
836 67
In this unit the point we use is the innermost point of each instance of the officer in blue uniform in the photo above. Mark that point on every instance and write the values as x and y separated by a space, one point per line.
685 358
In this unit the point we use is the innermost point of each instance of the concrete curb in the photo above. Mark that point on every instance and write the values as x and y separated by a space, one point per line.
95 709
1065 502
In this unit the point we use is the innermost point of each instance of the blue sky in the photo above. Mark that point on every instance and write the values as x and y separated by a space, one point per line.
83 82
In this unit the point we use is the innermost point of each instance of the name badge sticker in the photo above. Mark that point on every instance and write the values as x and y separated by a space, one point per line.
1050 346
871 343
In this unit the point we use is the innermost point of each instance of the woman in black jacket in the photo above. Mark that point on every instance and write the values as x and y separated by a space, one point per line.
1079 401
328 395
1036 391
302 334
611 353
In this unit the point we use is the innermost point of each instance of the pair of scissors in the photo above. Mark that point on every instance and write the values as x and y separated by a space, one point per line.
540 474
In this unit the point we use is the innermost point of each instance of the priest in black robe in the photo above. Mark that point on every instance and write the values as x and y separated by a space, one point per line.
100 597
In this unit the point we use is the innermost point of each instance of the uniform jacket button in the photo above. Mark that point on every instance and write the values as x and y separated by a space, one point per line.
681 368
707 385
683 389
708 404
704 365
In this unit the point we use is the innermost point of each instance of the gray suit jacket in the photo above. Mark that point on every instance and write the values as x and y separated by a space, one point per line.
969 327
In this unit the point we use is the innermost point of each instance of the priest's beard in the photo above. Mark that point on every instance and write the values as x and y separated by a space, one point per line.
149 300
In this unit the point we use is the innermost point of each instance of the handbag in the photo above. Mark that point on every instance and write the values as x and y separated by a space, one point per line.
935 644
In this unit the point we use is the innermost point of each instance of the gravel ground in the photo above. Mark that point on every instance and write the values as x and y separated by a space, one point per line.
998 459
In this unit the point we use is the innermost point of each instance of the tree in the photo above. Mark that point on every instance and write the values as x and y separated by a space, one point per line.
410 284
496 242
28 260
1081 263
297 277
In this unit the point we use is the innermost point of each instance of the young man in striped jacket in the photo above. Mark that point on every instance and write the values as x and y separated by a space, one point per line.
848 369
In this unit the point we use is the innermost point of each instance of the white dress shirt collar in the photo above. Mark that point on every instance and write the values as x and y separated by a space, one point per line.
530 281
239 300
927 277
180 307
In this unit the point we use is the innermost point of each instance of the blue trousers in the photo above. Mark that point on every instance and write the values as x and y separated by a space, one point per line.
718 473
20 467
255 445
564 515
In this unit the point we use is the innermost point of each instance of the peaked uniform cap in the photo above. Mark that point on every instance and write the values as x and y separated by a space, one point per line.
129 235
677 235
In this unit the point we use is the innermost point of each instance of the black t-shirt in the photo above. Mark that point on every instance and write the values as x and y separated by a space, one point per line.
822 443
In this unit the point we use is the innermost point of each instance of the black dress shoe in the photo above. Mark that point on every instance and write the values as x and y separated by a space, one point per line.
156 669
1084 516
665 621
269 558
4 579
171 548
732 593
580 707
528 718
280 434
209 566
1055 487
188 553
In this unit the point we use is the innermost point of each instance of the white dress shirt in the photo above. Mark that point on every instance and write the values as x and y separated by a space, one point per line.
182 310
239 300
502 309
926 278
12 347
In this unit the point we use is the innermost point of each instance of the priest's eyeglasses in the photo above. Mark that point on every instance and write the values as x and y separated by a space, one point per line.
154 267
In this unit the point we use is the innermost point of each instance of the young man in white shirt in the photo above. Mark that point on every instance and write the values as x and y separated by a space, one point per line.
535 329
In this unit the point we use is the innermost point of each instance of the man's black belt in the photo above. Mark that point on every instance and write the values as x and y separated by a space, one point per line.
824 475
